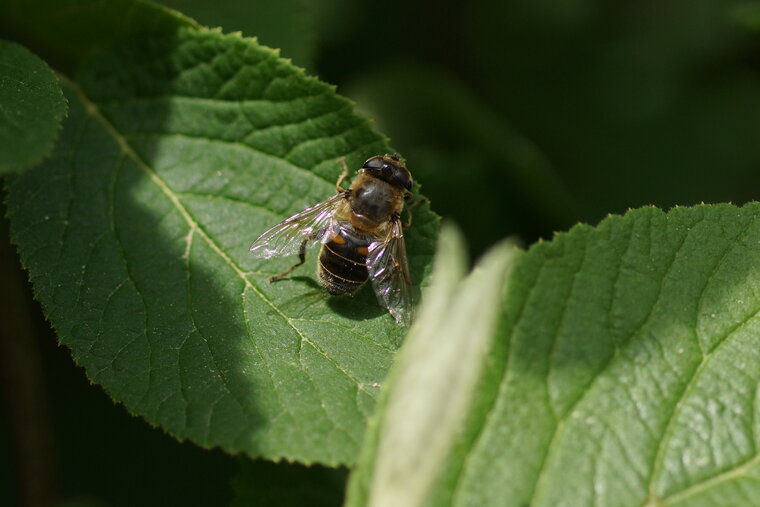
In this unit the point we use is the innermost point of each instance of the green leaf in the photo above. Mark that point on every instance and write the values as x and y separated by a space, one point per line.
31 108
286 24
624 370
180 148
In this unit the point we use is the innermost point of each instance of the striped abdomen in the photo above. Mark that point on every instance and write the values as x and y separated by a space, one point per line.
342 263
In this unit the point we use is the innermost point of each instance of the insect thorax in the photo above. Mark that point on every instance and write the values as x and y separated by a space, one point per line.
375 201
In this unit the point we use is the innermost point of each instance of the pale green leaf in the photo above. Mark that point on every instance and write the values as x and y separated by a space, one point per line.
625 370
31 108
432 384
180 148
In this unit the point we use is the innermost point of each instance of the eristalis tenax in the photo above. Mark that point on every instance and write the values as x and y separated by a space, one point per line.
361 234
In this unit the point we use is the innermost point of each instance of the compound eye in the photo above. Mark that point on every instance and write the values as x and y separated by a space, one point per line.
404 179
374 163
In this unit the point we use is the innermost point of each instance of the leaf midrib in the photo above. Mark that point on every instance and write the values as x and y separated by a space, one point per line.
92 109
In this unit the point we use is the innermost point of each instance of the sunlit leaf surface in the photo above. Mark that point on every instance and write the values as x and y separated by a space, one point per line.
625 370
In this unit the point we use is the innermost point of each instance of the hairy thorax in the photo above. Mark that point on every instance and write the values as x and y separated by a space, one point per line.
372 203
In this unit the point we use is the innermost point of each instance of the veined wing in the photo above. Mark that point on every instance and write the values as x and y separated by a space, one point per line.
286 237
389 271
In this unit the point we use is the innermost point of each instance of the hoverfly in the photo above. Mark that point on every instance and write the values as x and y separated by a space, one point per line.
361 234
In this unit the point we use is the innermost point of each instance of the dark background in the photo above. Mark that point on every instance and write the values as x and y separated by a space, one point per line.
527 116
517 117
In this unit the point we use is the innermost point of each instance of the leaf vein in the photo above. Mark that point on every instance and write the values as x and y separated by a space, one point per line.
669 426
740 470
559 429
218 370
255 344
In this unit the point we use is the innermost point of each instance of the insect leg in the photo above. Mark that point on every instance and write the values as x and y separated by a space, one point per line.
409 209
343 175
301 260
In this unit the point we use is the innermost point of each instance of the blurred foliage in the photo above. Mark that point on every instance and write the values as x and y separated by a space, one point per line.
264 483
630 103
619 104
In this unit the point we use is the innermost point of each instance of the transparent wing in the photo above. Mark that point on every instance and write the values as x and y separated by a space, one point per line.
389 271
286 237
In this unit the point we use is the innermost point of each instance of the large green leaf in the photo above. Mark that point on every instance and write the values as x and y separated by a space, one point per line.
624 370
31 107
285 24
181 146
